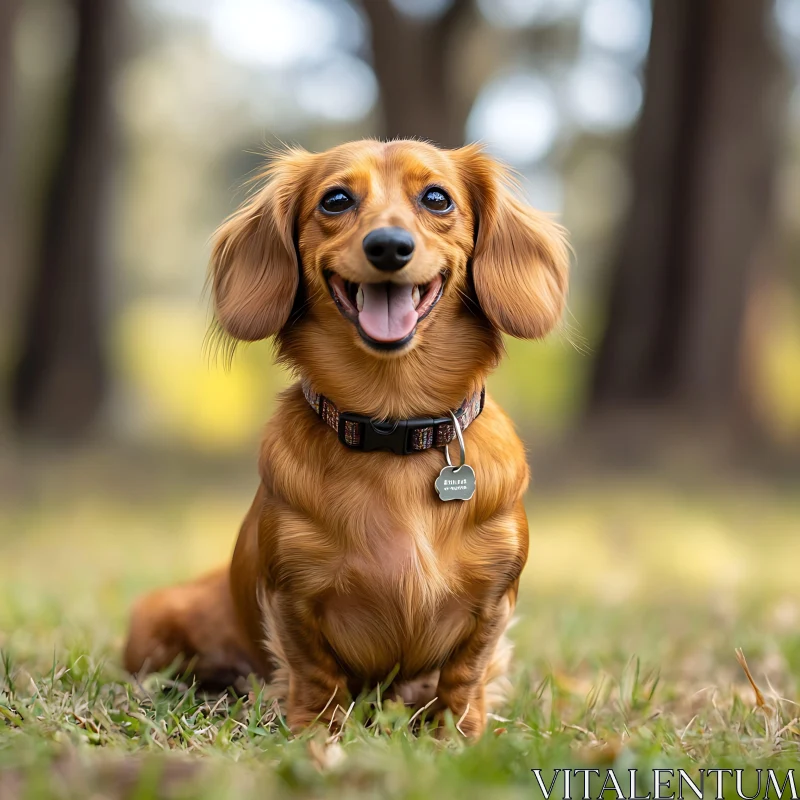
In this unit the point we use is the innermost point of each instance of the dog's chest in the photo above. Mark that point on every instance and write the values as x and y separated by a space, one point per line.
389 573
399 599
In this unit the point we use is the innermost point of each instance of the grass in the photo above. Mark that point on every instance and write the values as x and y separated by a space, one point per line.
634 599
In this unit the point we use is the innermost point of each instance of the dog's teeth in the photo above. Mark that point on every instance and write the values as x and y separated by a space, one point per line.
360 298
415 296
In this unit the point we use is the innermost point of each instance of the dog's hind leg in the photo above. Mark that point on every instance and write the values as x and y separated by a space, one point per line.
193 626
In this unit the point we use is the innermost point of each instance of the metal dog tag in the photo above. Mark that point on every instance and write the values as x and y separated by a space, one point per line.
456 483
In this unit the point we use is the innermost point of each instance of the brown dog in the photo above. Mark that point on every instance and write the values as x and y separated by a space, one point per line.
386 273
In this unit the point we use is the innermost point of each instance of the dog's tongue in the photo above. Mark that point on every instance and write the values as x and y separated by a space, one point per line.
388 312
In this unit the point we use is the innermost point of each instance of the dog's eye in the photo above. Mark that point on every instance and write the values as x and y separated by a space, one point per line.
436 199
336 201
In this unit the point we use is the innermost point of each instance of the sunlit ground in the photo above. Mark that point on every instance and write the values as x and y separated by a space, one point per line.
634 598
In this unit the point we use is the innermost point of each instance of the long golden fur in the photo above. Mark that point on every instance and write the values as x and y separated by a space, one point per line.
347 563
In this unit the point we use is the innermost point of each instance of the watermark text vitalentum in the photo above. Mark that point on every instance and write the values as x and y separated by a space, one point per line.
667 784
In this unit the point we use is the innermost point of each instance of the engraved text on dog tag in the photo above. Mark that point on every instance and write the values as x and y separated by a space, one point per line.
456 483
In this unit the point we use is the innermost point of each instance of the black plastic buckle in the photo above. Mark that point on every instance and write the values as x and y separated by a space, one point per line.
394 435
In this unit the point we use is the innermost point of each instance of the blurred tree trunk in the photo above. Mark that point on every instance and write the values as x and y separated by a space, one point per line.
8 18
412 58
704 160
60 379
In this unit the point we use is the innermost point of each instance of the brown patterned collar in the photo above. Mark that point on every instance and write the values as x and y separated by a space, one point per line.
401 436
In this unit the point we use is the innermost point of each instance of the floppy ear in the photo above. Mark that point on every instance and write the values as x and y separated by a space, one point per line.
520 263
254 268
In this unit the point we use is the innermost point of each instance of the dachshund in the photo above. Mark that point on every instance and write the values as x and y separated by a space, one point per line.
387 273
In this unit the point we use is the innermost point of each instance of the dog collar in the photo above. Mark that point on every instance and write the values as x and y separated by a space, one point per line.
401 436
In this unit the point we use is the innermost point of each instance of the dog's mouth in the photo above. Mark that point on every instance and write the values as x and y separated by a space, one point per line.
385 314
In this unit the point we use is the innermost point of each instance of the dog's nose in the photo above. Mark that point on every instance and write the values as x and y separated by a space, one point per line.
389 249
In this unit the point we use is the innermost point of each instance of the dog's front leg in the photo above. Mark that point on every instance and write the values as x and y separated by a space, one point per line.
462 680
317 685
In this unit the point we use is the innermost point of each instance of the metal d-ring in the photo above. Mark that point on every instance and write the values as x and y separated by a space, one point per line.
460 438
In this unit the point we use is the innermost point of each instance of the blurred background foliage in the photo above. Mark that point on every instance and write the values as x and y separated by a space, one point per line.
665 136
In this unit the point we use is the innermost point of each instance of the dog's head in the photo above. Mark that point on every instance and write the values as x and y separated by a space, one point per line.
390 258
